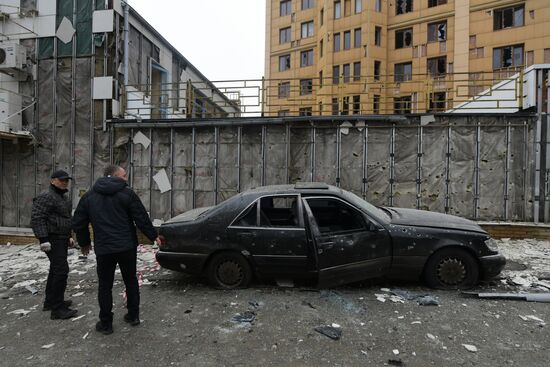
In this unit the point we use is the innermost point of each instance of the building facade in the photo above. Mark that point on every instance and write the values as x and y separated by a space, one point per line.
339 57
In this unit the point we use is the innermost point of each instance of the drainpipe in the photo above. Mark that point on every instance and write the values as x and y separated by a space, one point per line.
126 51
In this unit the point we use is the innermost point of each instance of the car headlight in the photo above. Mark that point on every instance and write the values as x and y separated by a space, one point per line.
491 244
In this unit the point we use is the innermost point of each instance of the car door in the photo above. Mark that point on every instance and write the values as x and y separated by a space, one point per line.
348 245
272 230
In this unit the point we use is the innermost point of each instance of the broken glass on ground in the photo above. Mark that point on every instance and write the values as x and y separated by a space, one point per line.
421 299
329 331
247 316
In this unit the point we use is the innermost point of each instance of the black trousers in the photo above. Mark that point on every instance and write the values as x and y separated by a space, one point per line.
106 265
57 276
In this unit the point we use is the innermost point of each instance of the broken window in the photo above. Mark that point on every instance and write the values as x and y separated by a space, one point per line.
335 216
337 9
403 6
285 7
403 72
284 35
336 46
508 56
378 36
335 106
284 62
437 102
402 105
306 87
307 29
279 211
345 106
306 58
508 17
437 32
377 65
336 74
403 38
356 71
357 38
437 66
284 90
249 217
356 105
305 111
346 72
432 3
307 4
347 40
28 7
376 104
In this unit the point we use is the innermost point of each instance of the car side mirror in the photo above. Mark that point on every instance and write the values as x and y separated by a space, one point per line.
374 227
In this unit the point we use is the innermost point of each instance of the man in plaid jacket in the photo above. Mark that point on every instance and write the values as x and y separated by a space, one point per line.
51 224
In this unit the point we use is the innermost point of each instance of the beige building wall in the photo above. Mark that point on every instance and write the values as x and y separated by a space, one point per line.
469 47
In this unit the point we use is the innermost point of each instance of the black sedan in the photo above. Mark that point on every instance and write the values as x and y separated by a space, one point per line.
311 230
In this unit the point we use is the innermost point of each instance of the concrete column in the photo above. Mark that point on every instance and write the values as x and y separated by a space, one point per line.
461 46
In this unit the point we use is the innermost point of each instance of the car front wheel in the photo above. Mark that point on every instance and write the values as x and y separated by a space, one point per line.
229 270
451 269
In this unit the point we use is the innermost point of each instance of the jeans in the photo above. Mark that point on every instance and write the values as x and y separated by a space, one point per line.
57 276
106 265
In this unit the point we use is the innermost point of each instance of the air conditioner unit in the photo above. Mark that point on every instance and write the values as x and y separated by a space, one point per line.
10 111
12 56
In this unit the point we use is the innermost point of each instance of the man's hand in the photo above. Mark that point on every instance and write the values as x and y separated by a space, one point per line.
46 246
157 241
85 250
71 243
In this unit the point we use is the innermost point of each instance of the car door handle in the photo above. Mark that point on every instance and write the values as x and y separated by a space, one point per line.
245 235
327 244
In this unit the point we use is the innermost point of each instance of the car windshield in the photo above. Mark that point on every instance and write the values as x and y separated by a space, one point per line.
366 206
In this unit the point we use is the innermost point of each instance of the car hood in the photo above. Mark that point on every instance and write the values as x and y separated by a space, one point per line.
188 215
423 218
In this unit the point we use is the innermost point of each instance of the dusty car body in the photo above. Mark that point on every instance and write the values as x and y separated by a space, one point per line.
321 231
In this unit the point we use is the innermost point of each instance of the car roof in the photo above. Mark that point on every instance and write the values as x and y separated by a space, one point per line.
299 187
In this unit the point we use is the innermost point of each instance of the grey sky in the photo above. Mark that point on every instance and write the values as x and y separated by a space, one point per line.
224 39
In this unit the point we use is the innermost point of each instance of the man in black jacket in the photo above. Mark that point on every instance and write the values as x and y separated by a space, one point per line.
51 224
112 208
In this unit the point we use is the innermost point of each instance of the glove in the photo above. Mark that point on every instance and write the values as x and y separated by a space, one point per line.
45 246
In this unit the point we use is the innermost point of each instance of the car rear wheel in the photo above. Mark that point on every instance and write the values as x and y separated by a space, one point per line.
451 269
229 270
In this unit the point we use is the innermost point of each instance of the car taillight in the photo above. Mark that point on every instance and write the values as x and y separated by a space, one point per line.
162 241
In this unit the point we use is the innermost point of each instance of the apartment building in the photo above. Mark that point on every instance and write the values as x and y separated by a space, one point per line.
340 57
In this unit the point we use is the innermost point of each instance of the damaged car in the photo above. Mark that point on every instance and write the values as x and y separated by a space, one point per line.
321 232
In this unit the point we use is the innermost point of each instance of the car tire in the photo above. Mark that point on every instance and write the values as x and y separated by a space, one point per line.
229 270
451 268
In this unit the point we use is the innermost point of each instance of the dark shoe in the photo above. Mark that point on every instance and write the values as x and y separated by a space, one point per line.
63 314
104 328
48 307
134 321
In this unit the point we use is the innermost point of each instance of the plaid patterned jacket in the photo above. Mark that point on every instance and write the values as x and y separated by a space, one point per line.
51 214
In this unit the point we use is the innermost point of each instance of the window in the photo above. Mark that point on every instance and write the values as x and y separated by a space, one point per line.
321 79
378 6
345 106
437 101
403 38
250 217
307 29
356 71
437 66
336 74
335 106
347 8
321 48
403 72
334 216
358 6
336 46
306 87
402 105
306 58
356 105
347 40
403 6
508 17
377 36
432 3
509 56
437 32
322 16
376 104
279 211
286 7
377 65
546 58
357 38
346 72
284 35
337 9
307 4
284 62
305 111
284 90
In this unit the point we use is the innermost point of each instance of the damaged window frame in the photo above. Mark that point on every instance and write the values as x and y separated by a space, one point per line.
284 90
438 102
306 58
500 58
306 87
437 66
284 62
403 6
437 32
510 17
401 38
402 105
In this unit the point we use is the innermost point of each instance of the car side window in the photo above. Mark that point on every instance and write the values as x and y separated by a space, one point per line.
333 215
279 211
248 218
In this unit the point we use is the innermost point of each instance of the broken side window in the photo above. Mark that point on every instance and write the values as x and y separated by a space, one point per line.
284 90
306 58
508 17
333 216
437 32
508 56
306 86
403 6
284 62
402 105
249 217
403 38
437 101
437 66
281 211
